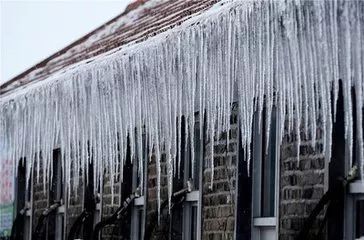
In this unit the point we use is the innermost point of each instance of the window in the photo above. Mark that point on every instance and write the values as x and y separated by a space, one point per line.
28 207
55 228
191 206
244 196
354 201
359 218
189 177
139 186
91 203
21 225
265 180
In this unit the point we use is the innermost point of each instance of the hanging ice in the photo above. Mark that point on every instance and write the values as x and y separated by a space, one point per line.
290 54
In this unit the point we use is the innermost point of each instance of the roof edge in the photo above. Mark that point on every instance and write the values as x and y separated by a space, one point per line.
132 6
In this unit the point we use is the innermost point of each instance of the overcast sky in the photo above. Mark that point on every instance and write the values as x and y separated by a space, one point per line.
34 30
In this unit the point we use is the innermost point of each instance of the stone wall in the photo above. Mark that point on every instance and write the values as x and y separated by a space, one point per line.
40 198
110 203
218 204
160 231
74 206
302 184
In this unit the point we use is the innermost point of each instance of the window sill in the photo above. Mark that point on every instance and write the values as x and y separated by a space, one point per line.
60 209
139 201
265 222
356 187
28 212
192 196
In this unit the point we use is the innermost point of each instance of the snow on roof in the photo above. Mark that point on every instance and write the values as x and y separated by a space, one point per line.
141 20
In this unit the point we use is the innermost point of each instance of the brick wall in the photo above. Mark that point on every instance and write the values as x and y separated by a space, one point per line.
161 231
218 204
75 205
40 201
40 198
109 205
302 184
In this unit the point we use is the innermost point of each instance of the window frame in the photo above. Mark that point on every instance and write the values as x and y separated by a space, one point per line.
355 190
260 223
193 198
138 225
60 228
28 199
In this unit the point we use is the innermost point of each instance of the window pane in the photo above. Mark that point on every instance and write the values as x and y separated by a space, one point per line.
193 223
268 169
176 227
359 219
244 191
140 222
197 146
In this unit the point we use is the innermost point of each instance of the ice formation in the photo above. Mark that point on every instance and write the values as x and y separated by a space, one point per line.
290 54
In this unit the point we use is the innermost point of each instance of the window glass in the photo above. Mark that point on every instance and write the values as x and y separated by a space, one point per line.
359 219
244 198
177 222
56 221
184 224
140 225
264 163
193 222
138 216
269 170
197 157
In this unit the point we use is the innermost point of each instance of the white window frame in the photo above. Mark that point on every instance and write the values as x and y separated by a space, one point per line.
355 192
260 224
28 226
60 214
138 225
28 202
194 197
98 206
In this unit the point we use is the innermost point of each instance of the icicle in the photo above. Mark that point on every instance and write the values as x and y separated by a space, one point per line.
260 54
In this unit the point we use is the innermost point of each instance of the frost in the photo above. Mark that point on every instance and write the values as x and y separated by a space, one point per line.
260 54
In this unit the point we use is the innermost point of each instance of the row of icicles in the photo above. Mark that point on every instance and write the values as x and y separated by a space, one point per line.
260 54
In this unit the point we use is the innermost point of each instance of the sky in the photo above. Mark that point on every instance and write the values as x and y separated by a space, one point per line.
33 30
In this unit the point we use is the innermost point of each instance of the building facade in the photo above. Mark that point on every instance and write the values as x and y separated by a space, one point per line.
256 135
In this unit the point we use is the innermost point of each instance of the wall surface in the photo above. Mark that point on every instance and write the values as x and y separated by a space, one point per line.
302 184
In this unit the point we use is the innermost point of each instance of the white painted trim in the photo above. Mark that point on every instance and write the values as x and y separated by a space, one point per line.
61 209
192 196
98 206
265 222
28 213
356 187
139 201
258 222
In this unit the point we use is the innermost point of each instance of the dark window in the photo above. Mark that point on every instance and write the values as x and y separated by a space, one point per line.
193 223
359 223
55 220
123 226
244 198
337 171
139 172
185 215
21 195
269 167
264 163
89 202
